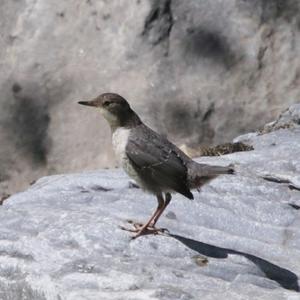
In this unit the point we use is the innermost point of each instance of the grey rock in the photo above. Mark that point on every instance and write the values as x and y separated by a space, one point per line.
239 238
288 119
201 72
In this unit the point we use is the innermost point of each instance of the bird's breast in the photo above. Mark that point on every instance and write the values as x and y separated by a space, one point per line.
119 141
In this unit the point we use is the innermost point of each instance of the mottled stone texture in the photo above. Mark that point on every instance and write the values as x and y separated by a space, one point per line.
238 239
200 71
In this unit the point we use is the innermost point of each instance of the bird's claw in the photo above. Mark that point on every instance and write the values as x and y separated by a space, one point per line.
139 230
150 230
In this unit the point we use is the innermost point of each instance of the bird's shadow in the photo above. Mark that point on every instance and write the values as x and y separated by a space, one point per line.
284 277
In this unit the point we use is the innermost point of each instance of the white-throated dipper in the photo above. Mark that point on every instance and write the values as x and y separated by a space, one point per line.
156 164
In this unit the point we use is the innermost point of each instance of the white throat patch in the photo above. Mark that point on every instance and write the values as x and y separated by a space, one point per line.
112 119
119 141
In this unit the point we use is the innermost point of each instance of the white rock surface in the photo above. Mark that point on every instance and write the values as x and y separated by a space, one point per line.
239 238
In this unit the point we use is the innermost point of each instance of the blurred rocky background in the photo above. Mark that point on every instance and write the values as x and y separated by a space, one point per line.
200 71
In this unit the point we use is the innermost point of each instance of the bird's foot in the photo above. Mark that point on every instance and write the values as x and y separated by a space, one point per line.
140 229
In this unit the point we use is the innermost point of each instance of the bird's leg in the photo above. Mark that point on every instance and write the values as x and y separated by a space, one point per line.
168 198
147 228
158 213
144 229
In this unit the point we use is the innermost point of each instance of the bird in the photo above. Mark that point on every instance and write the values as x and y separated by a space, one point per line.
157 165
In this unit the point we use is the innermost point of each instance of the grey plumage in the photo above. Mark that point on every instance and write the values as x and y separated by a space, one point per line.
151 159
161 165
164 167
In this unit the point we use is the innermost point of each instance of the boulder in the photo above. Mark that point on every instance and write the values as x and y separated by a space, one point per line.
239 238
201 72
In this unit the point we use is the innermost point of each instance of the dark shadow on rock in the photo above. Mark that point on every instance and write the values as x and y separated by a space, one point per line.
95 188
28 109
294 206
133 185
99 188
206 43
182 120
159 22
29 123
284 277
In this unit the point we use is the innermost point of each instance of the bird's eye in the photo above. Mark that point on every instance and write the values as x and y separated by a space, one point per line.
105 103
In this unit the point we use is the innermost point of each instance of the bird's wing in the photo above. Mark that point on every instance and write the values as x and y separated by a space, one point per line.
156 159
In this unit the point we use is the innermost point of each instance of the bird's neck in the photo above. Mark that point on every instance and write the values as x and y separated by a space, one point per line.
126 120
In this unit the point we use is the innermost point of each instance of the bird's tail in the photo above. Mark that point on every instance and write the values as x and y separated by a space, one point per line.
199 174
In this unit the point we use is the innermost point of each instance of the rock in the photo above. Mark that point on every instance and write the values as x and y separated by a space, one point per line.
288 119
200 72
239 238
215 150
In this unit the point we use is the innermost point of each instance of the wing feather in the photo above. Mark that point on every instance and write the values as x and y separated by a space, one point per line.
157 160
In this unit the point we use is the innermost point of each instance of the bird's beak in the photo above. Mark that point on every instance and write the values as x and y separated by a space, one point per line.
88 103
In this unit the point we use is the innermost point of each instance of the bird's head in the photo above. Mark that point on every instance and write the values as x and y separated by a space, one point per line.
115 110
